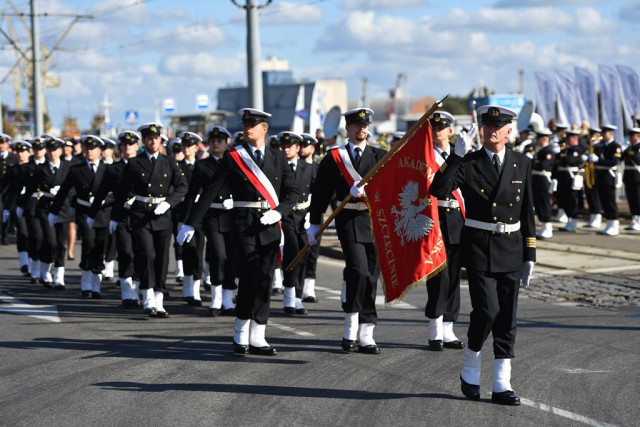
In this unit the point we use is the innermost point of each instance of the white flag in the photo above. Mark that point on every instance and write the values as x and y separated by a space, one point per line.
567 99
587 95
610 99
545 97
299 113
316 113
630 93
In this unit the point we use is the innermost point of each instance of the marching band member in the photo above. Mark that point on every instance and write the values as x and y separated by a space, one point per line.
570 178
542 184
607 157
631 177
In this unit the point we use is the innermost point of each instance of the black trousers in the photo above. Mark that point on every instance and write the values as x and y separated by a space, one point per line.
94 241
361 275
633 196
443 290
494 302
567 198
541 198
152 257
222 255
36 236
293 243
125 244
312 261
22 232
54 243
607 194
593 200
255 269
192 255
111 251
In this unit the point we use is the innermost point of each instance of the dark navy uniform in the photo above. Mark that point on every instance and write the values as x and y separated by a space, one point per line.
567 168
14 186
631 180
609 155
7 162
543 162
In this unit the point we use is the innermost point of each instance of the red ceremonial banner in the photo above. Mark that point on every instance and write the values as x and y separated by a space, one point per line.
404 216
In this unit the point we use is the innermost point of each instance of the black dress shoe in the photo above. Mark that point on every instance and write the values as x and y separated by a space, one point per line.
127 303
456 345
109 279
95 295
214 312
435 345
59 287
194 302
206 286
135 303
48 285
35 280
70 257
277 291
289 311
27 274
161 315
309 299
262 351
505 398
369 349
470 390
348 345
151 312
179 279
24 269
301 311
86 294
228 311
240 349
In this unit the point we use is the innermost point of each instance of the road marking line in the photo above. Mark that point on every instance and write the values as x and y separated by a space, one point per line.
329 290
292 330
43 312
563 413
610 269
583 371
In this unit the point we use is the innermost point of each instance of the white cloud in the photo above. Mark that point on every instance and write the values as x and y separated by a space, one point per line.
631 11
538 3
290 13
203 65
382 4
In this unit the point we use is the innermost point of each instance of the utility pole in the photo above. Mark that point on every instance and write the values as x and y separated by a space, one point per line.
37 82
254 75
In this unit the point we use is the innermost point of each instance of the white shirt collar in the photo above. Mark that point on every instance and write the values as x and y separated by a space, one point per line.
500 154
55 165
352 147
440 150
149 155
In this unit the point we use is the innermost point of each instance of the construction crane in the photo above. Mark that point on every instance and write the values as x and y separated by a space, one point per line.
394 95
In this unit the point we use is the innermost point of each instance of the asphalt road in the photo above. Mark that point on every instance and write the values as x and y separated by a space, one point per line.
93 363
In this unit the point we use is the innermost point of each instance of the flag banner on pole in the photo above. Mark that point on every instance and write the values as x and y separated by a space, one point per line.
587 95
610 98
567 98
404 216
630 93
545 97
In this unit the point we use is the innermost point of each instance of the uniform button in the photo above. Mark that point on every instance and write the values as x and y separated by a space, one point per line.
447 199
259 199
220 197
149 184
518 191
494 205
276 178
510 218
149 195
160 185
510 205
304 194
495 218
448 210
482 190
149 205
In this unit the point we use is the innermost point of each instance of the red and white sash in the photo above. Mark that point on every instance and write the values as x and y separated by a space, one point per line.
456 193
342 159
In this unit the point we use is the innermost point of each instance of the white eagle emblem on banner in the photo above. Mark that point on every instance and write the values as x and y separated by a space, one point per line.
411 225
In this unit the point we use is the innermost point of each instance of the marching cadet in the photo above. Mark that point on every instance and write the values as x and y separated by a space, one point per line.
498 243
570 178
158 186
26 205
14 182
607 157
191 253
443 290
7 161
591 192
631 177
543 185
110 252
128 142
49 176
294 225
340 172
68 155
84 179
217 225
307 153
174 146
264 191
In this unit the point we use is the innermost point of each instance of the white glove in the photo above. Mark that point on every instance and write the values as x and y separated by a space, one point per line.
227 204
54 190
270 217
19 211
553 186
311 233
52 218
112 226
5 215
90 221
357 191
161 208
527 272
185 234
593 158
307 224
584 157
464 141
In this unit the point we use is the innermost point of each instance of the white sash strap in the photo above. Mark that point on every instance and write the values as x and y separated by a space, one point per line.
498 227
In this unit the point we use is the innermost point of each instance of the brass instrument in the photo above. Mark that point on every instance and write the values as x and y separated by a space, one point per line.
590 167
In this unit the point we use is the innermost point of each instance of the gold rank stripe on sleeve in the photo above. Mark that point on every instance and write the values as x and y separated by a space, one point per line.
443 167
530 242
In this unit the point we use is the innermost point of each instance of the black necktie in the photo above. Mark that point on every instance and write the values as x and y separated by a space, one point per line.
496 163
293 167
356 157
190 166
92 167
444 155
259 158
153 161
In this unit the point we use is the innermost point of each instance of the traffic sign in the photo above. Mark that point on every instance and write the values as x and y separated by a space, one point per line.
131 116
169 105
202 101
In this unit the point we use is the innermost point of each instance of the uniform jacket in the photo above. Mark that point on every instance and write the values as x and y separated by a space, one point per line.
187 172
110 181
247 220
203 173
351 224
44 179
304 179
140 177
631 158
451 219
85 183
5 167
492 199
609 155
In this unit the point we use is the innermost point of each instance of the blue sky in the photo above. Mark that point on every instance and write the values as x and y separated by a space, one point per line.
140 52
